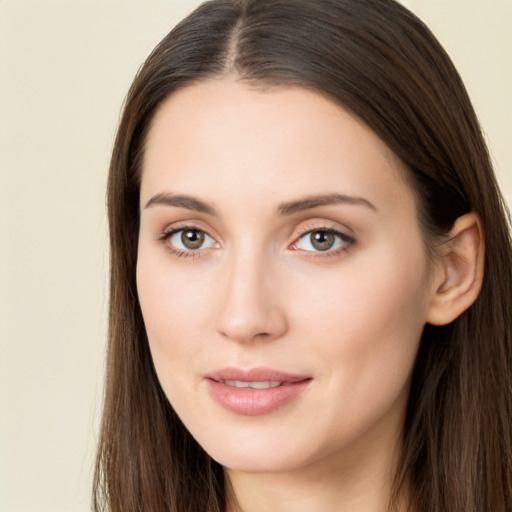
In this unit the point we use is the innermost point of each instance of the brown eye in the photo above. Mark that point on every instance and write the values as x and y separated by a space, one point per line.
188 240
192 238
322 240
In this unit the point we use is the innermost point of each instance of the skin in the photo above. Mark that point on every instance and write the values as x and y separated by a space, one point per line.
258 294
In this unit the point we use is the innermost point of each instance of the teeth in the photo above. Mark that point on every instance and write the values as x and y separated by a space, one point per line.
254 385
264 385
235 383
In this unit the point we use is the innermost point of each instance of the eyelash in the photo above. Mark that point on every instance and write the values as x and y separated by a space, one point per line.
346 240
181 253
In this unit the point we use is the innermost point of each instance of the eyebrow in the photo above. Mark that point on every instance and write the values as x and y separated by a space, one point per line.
307 203
181 201
322 200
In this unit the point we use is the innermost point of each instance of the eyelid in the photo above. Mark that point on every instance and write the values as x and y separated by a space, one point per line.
323 224
188 224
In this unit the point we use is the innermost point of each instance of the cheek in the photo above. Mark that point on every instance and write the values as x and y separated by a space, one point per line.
176 307
379 292
366 321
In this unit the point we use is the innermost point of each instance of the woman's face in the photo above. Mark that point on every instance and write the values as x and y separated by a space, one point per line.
282 276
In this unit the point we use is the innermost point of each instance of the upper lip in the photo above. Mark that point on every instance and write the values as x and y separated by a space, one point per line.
254 375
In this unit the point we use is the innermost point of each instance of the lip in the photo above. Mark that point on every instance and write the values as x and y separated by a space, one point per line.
249 401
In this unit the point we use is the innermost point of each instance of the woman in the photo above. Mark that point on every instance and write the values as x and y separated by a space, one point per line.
302 316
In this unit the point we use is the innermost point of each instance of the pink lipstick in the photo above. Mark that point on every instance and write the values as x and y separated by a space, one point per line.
256 391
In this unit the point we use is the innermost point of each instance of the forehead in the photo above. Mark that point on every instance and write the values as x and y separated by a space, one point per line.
222 135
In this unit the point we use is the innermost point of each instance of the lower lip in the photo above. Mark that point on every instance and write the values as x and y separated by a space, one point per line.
251 402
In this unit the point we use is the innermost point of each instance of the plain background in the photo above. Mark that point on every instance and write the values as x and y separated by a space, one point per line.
65 68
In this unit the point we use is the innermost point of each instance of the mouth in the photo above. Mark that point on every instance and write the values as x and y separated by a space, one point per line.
256 391
266 377
240 384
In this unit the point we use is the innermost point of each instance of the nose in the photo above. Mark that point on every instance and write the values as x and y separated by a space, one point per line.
250 307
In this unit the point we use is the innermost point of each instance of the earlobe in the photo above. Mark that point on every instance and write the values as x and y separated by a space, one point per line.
459 271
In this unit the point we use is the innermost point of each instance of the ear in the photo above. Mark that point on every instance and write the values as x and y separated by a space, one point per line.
458 272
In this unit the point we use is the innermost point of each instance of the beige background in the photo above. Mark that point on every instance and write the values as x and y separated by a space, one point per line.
64 70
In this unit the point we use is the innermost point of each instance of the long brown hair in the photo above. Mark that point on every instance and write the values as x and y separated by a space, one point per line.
381 63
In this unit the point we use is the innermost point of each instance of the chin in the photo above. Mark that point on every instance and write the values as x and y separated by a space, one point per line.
256 452
257 463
